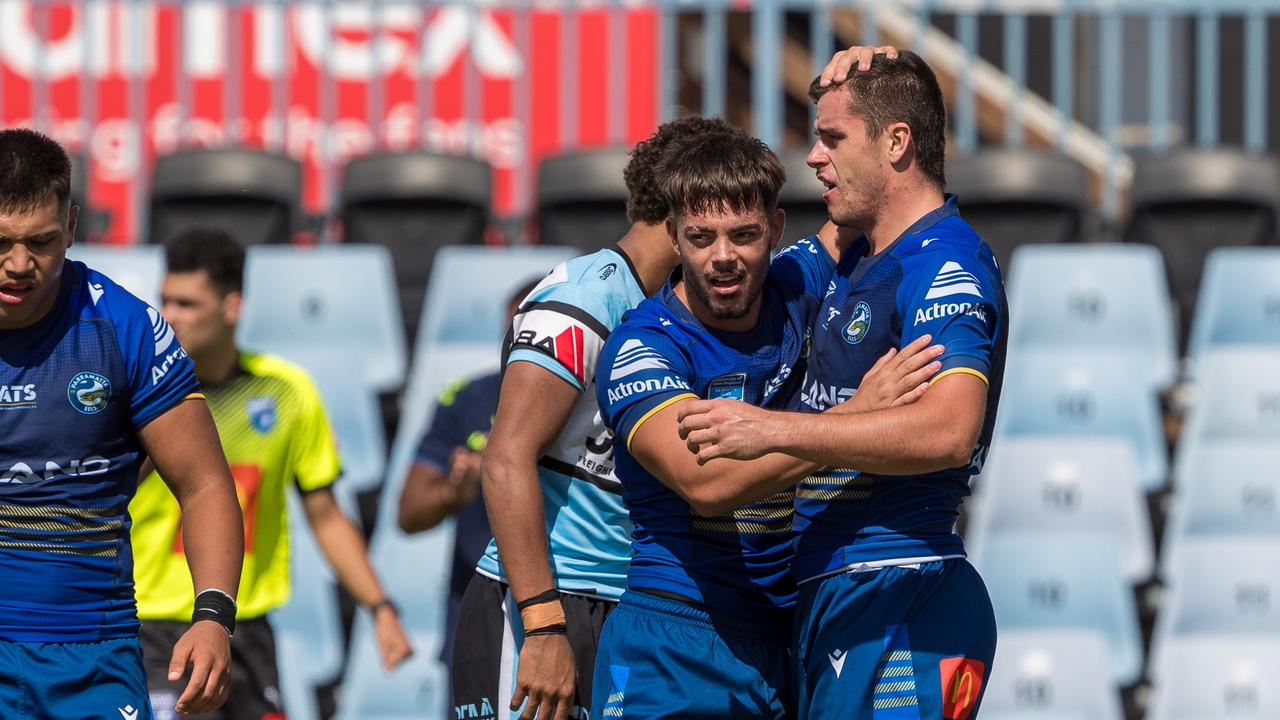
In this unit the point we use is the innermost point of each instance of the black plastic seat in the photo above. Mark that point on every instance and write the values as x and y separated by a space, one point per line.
582 199
801 198
415 203
1191 201
1021 196
253 195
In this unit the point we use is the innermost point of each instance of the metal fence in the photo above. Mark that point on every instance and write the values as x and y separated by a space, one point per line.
1099 80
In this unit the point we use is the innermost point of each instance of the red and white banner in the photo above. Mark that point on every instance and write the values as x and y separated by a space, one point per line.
167 53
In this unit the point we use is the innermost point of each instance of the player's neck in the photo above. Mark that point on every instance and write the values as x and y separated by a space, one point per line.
903 206
649 248
217 364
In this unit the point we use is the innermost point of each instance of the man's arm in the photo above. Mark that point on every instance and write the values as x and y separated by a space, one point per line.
936 433
429 495
533 407
183 444
344 547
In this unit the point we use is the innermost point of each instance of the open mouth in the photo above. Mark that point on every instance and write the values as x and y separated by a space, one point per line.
14 293
725 286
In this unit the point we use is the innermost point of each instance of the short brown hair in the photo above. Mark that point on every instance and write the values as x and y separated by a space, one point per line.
34 171
725 171
645 201
901 90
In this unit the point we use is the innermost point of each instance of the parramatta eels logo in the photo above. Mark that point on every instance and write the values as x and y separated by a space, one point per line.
857 328
89 393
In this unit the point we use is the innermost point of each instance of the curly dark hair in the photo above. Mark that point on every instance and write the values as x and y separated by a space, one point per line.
34 171
645 199
722 171
211 250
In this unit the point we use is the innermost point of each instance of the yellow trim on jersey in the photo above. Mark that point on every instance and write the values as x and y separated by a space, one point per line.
966 371
654 411
195 396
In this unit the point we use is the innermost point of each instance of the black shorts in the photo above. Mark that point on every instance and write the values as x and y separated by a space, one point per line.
485 648
255 682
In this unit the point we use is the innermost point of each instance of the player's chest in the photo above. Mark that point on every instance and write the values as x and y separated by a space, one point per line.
855 326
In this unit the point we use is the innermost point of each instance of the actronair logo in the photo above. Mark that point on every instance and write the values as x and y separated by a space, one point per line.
633 357
953 280
940 310
160 331
627 389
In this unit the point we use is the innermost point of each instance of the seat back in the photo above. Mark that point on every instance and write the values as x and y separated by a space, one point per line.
414 204
253 195
1067 582
333 299
1051 674
1204 678
1014 196
1239 303
1065 485
1094 297
582 199
801 198
1084 394
136 268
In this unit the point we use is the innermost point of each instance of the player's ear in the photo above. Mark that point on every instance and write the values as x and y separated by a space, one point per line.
73 214
779 224
672 232
899 140
231 305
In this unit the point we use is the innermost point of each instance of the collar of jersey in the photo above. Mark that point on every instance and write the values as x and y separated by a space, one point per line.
856 254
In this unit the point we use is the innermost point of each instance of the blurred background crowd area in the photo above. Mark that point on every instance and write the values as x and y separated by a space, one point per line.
397 168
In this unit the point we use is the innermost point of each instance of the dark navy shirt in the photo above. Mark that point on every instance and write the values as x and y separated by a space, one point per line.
74 390
938 278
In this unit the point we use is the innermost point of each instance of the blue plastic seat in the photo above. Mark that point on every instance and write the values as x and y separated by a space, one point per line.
412 691
1084 394
1221 586
1065 485
137 268
334 299
307 628
1064 582
1217 678
1070 297
1239 302
1051 674
1237 396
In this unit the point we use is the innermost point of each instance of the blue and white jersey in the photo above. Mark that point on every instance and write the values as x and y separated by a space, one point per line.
74 390
739 562
561 327
938 278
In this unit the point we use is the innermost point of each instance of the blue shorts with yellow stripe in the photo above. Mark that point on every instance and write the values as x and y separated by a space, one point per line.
662 658
894 643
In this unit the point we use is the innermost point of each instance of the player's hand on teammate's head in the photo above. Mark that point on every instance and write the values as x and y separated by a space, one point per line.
859 56
725 429
897 378
205 648
545 679
393 642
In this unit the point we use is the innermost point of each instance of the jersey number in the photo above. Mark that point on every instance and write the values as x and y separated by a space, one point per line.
248 486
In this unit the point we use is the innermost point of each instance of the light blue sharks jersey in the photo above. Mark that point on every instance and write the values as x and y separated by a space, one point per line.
74 390
561 327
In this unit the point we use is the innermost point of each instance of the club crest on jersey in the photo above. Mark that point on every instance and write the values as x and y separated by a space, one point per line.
261 412
857 327
732 387
89 393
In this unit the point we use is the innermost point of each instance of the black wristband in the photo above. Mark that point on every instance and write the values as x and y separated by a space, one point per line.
556 629
217 606
545 596
384 603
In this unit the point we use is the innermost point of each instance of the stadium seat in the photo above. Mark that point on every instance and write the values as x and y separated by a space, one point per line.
1221 586
1217 679
303 302
1050 675
414 204
356 421
582 199
1016 196
1045 581
1091 394
308 635
1237 397
91 222
137 268
1239 303
412 691
1095 297
801 198
1065 485
1190 201
251 194
1224 487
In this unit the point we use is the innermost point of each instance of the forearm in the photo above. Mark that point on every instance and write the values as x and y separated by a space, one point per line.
213 535
897 441
722 485
513 498
343 545
425 504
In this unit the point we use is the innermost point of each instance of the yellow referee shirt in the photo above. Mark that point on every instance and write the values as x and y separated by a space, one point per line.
274 431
